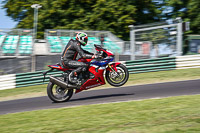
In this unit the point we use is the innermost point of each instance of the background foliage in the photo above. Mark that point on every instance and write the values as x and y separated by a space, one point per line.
112 15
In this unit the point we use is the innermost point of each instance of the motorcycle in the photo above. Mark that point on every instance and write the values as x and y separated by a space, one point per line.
59 89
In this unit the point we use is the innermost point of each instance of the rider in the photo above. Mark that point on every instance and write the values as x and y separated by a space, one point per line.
69 55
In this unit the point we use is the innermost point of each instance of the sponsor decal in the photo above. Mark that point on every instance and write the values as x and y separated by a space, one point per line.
55 66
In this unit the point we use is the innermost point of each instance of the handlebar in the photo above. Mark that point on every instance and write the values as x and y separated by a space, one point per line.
98 46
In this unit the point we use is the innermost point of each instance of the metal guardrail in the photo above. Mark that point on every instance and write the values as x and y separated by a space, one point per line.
7 81
190 61
33 78
151 65
136 66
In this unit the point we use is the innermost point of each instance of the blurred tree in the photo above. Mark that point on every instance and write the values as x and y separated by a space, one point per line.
188 10
117 15
112 15
193 15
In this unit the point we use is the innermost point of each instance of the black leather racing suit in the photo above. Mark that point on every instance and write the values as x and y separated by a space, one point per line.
68 59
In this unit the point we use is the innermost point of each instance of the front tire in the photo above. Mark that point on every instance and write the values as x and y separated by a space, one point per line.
119 80
58 94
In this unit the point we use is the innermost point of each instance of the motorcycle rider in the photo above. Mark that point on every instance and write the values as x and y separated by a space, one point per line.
72 49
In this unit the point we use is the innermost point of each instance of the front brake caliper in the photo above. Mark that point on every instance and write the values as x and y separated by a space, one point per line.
113 71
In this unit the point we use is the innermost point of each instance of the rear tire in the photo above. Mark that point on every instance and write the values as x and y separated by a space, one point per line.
121 79
65 94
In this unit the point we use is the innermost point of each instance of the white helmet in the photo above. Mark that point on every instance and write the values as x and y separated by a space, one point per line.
82 38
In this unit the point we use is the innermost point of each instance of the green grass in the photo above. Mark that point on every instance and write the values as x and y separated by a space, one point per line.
134 79
165 76
23 92
168 115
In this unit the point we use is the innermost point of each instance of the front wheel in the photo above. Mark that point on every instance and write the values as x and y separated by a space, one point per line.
118 78
58 94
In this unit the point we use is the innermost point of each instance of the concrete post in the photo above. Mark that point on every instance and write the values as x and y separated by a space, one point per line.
132 44
179 37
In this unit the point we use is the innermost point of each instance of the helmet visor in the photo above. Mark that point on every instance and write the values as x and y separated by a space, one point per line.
85 40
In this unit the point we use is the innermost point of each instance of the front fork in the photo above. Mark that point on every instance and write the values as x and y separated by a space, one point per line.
113 69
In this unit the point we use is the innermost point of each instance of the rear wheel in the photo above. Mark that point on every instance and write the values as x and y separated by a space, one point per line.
58 94
118 78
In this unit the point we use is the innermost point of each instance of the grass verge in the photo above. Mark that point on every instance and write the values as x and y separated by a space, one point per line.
134 79
168 115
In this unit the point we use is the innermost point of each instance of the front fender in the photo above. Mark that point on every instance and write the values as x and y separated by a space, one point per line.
113 65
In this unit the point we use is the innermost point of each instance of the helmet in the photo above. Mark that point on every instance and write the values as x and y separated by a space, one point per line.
82 38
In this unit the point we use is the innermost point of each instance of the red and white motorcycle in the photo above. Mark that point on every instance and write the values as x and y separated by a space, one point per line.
60 90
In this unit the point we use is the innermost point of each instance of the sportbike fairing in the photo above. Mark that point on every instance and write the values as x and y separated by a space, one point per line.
96 67
116 74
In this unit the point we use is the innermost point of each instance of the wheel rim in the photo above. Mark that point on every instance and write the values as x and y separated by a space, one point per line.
60 93
119 77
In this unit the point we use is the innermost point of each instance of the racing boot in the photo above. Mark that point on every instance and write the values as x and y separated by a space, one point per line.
73 79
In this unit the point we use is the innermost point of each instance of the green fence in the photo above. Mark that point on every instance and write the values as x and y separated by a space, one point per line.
136 66
151 65
33 78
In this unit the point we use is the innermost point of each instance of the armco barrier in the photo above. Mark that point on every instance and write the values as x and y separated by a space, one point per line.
190 61
33 78
151 65
7 81
136 66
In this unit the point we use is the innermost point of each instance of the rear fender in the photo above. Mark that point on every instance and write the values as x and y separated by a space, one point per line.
113 65
58 67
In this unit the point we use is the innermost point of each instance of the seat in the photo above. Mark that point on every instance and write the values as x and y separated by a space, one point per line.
55 44
25 45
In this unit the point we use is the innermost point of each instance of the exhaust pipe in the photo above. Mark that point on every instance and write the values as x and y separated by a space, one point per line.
61 83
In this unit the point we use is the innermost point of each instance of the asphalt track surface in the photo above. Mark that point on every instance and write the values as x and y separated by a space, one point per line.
160 90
